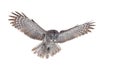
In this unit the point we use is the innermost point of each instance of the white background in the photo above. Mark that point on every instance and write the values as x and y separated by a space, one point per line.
92 58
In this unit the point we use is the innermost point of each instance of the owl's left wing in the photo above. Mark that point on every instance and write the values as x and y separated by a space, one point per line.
74 32
27 26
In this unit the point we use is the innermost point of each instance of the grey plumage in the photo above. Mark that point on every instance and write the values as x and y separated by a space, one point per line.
29 27
49 38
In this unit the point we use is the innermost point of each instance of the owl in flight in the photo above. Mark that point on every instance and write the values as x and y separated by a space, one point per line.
50 38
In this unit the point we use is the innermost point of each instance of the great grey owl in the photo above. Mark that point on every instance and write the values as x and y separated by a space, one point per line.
50 38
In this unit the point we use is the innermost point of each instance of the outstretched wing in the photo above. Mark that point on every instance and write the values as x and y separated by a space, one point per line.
74 32
29 27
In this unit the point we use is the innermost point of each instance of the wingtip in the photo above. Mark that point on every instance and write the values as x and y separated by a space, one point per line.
18 13
91 28
14 14
11 19
23 14
11 16
91 24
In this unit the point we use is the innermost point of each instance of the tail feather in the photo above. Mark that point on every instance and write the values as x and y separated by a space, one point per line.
53 49
45 50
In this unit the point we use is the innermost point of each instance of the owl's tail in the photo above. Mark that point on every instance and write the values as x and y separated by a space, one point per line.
44 50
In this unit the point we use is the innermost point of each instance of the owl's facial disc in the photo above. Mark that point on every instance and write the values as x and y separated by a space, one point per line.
53 34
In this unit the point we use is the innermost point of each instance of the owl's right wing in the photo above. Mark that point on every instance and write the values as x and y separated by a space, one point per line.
74 32
29 27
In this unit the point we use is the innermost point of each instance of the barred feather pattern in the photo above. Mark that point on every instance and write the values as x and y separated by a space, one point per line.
26 25
74 32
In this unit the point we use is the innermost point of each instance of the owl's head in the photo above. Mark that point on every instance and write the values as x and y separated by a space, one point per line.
52 34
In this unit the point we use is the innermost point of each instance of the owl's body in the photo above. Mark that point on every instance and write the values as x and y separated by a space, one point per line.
51 38
48 45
